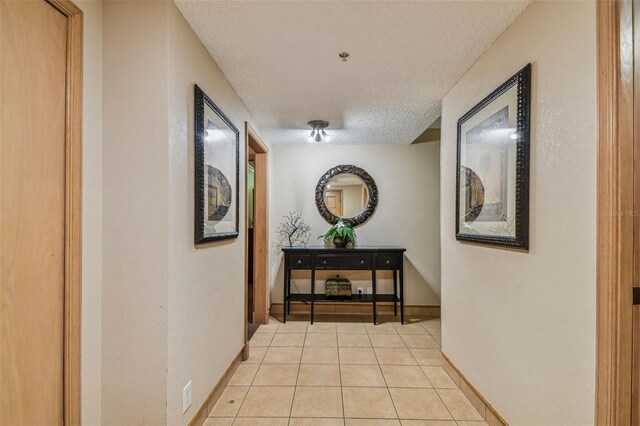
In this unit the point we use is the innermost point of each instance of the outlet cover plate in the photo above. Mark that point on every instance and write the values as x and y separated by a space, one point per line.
369 290
360 290
186 397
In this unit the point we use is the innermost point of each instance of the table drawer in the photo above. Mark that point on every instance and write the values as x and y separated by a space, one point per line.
337 261
300 261
388 261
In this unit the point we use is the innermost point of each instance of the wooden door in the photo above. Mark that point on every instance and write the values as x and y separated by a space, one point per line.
39 212
635 367
333 201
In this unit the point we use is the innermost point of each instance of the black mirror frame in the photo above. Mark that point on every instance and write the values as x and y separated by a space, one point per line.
369 209
522 79
200 99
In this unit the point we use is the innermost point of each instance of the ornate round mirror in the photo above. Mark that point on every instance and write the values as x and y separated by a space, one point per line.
346 192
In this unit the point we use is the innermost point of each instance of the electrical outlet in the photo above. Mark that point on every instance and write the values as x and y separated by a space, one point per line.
360 290
369 290
186 397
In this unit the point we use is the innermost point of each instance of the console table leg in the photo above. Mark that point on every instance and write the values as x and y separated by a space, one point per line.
395 293
313 291
285 296
288 307
401 293
288 304
373 286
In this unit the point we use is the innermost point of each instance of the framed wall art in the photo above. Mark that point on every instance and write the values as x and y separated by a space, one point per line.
492 179
217 172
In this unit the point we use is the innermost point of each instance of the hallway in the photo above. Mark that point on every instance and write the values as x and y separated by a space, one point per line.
344 373
205 164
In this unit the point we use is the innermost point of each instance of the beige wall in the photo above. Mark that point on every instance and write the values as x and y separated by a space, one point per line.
92 213
521 326
206 284
407 214
171 312
135 213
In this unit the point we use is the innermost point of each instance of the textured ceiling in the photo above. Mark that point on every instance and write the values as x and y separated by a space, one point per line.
282 58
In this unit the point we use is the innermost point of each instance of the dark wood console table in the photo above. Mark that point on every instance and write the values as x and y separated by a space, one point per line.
340 259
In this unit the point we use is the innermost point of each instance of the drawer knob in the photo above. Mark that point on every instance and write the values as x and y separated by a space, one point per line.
387 261
324 261
299 261
362 261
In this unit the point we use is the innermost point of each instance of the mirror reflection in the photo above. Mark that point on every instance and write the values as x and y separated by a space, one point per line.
346 195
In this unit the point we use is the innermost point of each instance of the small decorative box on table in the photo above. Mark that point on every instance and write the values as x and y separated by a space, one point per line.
358 258
337 287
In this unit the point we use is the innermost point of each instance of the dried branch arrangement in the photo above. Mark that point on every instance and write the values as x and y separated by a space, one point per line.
293 231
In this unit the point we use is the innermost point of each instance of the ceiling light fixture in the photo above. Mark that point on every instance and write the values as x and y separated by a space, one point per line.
344 56
318 134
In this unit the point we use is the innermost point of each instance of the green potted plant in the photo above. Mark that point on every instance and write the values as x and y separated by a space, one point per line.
341 234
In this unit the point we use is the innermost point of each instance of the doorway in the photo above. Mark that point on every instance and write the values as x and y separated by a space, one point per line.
40 211
618 222
257 232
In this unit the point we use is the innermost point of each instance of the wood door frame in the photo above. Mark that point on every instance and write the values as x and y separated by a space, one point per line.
615 228
260 229
73 213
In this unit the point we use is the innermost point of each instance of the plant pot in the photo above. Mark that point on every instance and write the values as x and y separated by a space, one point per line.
340 242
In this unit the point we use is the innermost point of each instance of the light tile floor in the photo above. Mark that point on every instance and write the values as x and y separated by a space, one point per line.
344 373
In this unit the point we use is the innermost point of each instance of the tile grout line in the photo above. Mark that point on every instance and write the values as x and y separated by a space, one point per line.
457 387
295 387
419 366
445 406
344 414
252 380
416 359
384 378
434 388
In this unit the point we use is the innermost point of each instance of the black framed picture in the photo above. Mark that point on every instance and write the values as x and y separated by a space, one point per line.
217 172
492 175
